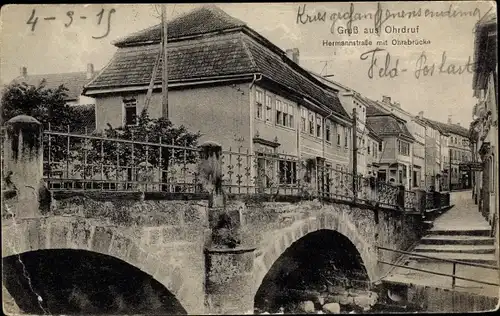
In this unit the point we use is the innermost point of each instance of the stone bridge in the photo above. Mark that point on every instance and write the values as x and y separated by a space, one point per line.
180 254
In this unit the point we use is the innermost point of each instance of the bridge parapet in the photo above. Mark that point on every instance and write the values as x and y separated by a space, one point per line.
210 244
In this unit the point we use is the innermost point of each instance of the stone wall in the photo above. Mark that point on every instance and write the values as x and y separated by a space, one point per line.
162 238
272 227
439 300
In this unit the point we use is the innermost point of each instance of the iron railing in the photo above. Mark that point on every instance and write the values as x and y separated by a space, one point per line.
93 162
453 275
436 200
87 162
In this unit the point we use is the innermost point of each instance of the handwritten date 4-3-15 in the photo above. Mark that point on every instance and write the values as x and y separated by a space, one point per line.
70 17
391 69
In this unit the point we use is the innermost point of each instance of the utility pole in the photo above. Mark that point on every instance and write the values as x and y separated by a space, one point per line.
354 152
164 77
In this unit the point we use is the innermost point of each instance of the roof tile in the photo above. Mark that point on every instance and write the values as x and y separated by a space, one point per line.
225 54
448 128
73 81
206 19
134 65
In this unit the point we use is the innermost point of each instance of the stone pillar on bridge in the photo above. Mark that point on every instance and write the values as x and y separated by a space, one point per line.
23 165
229 266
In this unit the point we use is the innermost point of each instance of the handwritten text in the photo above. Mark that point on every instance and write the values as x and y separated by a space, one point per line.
70 18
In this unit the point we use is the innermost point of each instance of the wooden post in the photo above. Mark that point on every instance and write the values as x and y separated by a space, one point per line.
164 78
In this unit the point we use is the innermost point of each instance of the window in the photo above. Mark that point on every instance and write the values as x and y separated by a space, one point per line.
375 151
303 119
268 108
346 140
319 124
258 101
311 123
404 148
279 113
284 114
287 172
328 131
130 107
369 147
290 115
337 132
380 147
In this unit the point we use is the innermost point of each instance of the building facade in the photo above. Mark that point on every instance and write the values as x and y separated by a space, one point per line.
433 154
230 84
416 127
368 142
456 153
484 128
396 148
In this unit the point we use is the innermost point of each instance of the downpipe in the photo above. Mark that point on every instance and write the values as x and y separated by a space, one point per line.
255 80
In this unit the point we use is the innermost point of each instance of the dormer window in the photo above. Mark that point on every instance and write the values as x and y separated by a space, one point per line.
130 110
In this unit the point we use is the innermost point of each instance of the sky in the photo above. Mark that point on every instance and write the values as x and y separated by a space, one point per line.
68 43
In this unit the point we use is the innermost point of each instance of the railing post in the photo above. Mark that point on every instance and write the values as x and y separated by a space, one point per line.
436 200
401 196
24 165
453 278
420 200
320 176
210 169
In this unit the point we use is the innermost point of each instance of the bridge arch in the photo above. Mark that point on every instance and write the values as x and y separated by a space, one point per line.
24 236
335 226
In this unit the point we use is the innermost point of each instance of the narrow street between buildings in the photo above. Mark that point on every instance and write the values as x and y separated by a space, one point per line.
460 234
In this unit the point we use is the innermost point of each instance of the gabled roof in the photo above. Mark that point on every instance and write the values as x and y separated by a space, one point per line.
239 52
372 133
385 123
435 125
372 110
133 66
388 125
448 128
73 81
204 20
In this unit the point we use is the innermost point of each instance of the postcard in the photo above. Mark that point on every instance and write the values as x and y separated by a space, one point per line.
249 158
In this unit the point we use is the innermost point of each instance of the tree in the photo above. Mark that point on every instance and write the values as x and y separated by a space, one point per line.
88 157
173 149
45 104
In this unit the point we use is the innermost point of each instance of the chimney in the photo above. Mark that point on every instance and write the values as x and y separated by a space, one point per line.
24 72
458 124
90 71
449 119
386 99
293 54
396 104
421 114
296 55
